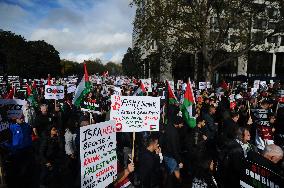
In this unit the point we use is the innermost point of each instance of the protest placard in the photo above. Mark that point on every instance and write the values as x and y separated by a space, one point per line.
54 92
14 107
98 154
116 91
91 105
147 84
202 85
255 175
71 88
135 113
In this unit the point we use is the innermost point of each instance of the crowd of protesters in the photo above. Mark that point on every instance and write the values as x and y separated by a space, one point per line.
43 146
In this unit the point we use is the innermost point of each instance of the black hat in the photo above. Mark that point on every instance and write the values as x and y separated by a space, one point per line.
178 120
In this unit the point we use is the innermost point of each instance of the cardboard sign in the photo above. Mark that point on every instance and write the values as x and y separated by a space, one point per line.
202 85
255 175
54 92
147 84
14 107
135 113
98 154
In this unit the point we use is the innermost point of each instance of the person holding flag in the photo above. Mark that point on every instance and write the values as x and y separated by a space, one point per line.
188 107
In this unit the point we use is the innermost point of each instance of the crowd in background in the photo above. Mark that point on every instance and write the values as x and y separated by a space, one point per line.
43 146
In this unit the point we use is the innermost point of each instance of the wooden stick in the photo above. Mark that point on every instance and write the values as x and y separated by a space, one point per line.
90 118
133 143
55 105
249 108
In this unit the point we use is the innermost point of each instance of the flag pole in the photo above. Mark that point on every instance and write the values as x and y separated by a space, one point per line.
133 143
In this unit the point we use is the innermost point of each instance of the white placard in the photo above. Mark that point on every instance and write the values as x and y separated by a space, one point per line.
15 107
253 91
54 92
116 91
135 113
71 88
202 85
147 84
98 154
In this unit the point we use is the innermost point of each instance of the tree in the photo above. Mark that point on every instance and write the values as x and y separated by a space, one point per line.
95 66
208 27
131 63
28 59
113 68
70 67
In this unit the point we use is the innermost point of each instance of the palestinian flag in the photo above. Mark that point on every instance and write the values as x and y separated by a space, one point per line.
82 89
140 91
187 107
31 95
171 96
11 93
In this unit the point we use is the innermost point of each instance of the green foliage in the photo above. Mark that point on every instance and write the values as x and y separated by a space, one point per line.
28 58
202 26
131 63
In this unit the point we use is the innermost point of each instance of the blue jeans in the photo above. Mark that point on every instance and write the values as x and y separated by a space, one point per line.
171 164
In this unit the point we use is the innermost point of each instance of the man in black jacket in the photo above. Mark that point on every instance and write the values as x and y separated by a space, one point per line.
149 168
171 147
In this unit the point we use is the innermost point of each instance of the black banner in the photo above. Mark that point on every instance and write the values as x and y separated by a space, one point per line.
254 175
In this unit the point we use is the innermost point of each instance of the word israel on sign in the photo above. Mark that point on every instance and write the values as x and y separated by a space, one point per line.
54 92
14 107
98 154
135 113
147 84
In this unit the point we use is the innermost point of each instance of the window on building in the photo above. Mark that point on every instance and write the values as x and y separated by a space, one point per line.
282 41
271 25
272 13
259 24
258 38
272 39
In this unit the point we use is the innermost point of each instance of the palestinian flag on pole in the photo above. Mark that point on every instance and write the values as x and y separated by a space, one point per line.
31 96
82 89
171 96
187 106
140 91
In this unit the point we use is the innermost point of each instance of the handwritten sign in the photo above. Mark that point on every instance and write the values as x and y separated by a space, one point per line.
91 105
14 107
147 84
98 154
54 92
135 113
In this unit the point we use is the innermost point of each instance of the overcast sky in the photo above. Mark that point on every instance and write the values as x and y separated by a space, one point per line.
78 29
